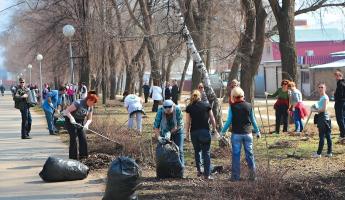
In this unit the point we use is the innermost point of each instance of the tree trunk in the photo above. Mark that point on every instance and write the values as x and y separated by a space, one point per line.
217 111
163 67
197 21
147 19
113 59
247 49
183 76
141 75
287 47
84 75
104 55
285 17
171 60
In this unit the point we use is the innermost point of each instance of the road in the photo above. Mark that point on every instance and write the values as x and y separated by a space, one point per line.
22 160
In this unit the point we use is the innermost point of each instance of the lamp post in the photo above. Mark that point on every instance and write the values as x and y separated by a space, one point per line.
30 67
68 31
39 58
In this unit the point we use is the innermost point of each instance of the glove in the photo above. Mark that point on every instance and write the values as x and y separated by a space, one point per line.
72 120
266 94
85 127
258 135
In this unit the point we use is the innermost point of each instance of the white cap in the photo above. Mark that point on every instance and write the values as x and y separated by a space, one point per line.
168 103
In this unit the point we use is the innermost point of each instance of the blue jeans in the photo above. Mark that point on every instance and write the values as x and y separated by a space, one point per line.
201 140
50 120
26 121
339 107
236 142
178 139
298 121
138 117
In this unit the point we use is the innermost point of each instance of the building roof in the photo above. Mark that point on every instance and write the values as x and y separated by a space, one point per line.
339 53
336 64
315 35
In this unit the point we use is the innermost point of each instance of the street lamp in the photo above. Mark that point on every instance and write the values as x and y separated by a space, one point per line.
39 58
30 67
68 31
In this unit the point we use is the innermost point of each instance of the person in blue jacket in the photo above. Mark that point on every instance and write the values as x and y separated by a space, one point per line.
169 120
49 106
241 116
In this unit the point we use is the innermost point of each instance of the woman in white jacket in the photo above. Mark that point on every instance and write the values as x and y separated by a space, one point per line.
157 97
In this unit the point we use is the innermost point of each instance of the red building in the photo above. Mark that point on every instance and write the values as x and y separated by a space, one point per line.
314 46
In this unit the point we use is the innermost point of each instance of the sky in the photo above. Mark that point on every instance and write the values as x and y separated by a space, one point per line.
4 22
332 18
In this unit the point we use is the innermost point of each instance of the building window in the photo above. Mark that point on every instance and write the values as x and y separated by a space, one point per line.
310 53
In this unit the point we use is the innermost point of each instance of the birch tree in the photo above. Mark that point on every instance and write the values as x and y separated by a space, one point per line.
211 96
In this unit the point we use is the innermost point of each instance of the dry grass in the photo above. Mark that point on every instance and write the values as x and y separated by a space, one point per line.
287 177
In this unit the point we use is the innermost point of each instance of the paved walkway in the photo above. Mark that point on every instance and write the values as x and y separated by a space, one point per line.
22 160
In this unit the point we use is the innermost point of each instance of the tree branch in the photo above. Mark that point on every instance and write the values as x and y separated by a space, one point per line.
275 7
133 17
318 6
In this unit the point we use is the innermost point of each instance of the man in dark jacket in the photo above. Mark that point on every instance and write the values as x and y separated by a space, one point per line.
339 105
146 89
175 92
20 102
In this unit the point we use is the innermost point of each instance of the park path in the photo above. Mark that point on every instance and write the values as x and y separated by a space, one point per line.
22 160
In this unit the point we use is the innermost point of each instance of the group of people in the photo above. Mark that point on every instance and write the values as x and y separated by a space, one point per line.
77 114
195 126
289 100
159 94
169 123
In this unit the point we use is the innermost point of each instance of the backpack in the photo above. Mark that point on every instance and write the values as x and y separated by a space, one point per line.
32 98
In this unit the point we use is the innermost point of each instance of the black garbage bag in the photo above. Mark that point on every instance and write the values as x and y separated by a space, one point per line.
168 163
123 179
58 169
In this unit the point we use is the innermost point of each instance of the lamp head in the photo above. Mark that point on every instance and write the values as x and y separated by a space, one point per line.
39 57
68 31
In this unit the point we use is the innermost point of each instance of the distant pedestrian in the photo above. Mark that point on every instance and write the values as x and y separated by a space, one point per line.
77 121
281 106
83 91
134 107
197 116
339 105
175 92
146 89
323 122
70 93
2 89
234 83
296 106
201 89
20 102
241 116
167 92
156 93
